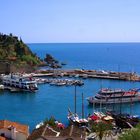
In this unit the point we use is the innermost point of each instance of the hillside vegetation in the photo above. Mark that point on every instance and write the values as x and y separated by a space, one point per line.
16 51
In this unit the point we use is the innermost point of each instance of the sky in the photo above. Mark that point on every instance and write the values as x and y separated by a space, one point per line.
68 21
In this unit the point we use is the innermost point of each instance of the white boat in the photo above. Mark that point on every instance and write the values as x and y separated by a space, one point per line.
1 86
39 125
19 81
117 96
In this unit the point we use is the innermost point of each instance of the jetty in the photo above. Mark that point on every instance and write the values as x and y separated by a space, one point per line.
127 76
59 82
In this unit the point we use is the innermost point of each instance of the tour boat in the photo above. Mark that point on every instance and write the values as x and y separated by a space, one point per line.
117 96
20 82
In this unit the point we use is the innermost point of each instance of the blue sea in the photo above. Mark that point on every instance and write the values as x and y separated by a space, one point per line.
30 108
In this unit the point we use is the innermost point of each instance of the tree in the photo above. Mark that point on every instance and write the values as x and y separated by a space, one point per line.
101 129
132 134
50 121
10 34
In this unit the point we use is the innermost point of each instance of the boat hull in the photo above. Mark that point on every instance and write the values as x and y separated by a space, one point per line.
113 101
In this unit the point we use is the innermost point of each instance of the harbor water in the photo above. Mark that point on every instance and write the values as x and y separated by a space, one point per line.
31 108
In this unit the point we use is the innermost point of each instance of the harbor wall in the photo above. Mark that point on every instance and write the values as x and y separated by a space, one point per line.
4 67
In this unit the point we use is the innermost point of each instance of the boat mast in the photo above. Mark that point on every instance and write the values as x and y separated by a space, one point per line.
101 105
119 71
121 103
75 106
131 102
114 101
82 105
101 99
131 105
93 105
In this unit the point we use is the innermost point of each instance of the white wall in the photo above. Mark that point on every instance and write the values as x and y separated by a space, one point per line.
20 136
6 132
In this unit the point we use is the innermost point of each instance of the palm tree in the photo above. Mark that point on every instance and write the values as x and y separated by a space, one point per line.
50 121
101 129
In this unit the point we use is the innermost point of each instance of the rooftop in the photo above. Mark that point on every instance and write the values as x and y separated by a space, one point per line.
19 127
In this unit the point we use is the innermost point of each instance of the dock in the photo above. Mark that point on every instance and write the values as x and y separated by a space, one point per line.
126 76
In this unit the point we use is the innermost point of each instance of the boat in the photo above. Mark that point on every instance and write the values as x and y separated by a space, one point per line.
116 96
20 82
74 118
124 120
61 84
39 125
1 87
63 63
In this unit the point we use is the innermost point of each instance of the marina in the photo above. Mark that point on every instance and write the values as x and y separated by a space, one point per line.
25 82
52 99
70 70
59 82
98 74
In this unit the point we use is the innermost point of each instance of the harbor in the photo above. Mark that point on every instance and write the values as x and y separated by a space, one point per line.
26 82
71 77
98 74
55 94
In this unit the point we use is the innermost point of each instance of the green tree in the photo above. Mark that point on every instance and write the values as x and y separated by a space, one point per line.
50 121
101 129
132 134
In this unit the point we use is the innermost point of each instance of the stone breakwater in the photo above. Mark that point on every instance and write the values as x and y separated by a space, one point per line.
127 76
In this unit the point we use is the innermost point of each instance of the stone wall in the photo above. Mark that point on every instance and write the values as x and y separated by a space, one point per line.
4 67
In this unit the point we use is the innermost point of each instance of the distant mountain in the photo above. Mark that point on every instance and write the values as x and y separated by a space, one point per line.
16 51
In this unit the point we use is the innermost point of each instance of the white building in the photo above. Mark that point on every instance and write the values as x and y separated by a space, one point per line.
13 130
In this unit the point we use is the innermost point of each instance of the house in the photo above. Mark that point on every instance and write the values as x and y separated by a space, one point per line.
52 133
2 138
13 130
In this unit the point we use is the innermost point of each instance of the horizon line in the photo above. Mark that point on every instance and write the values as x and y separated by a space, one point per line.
79 42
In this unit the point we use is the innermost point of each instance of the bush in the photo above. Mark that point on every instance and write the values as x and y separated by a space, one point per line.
50 122
133 134
30 59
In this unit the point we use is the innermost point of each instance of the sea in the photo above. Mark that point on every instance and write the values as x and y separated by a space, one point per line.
32 108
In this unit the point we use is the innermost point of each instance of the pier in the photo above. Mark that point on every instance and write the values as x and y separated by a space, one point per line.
57 77
126 76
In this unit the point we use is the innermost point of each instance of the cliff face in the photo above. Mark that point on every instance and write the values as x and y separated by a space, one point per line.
16 51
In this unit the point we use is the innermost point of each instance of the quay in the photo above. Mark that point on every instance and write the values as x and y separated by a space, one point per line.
127 76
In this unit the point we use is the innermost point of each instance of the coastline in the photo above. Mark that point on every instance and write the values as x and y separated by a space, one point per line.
48 97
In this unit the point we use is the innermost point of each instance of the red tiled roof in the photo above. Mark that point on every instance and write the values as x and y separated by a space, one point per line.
19 127
2 138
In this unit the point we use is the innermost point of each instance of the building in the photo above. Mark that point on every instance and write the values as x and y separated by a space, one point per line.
13 130
49 133
2 138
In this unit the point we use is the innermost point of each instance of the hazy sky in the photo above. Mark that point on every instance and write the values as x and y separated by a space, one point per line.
71 20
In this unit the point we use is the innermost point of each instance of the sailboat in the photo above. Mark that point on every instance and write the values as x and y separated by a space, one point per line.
74 118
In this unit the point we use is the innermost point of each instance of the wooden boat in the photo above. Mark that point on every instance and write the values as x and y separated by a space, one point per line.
124 120
74 118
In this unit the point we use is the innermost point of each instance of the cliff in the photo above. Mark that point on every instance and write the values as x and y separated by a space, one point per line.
15 51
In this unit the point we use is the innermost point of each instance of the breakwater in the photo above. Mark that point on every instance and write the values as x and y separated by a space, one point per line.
127 76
